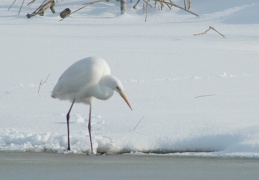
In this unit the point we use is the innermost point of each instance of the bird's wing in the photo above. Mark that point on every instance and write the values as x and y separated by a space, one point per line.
78 78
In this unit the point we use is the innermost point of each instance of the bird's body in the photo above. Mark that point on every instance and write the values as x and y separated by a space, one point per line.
85 80
80 80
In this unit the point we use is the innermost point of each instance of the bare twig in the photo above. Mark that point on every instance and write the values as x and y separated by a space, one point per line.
162 3
206 95
148 3
139 122
84 5
169 5
30 3
146 10
21 7
136 4
42 82
39 7
188 3
89 3
173 4
217 31
205 32
42 8
11 5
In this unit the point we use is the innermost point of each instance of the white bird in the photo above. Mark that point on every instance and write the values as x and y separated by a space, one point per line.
85 80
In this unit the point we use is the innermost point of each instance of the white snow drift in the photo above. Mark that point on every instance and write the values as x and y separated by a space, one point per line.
190 94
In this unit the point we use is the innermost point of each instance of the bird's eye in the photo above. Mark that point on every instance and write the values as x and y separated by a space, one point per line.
118 88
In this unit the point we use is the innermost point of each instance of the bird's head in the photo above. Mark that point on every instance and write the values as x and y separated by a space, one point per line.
122 94
117 86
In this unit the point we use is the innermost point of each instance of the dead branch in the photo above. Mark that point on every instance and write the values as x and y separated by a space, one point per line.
162 3
21 7
146 10
123 5
217 32
148 3
42 8
136 4
42 82
206 95
205 32
84 5
11 5
93 2
169 5
187 5
173 4
139 122
30 3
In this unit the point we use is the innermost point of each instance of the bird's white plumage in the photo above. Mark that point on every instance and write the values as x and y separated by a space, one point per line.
79 80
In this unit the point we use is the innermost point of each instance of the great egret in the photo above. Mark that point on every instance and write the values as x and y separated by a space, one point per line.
85 80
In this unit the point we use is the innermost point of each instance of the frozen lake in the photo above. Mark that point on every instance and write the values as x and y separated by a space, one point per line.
18 165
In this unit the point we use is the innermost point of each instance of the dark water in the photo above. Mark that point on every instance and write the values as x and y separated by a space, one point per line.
14 165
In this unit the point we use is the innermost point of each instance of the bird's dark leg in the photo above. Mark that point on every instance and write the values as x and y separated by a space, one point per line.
68 116
89 127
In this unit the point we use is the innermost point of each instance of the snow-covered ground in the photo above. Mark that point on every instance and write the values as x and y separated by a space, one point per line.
197 95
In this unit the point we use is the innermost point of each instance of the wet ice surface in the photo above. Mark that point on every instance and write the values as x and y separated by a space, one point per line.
30 166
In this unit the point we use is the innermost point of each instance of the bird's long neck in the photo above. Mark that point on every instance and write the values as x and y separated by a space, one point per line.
104 88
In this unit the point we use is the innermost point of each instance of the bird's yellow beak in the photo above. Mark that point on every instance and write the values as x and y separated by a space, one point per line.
125 99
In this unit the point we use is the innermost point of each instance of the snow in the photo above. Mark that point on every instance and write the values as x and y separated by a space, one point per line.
197 95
